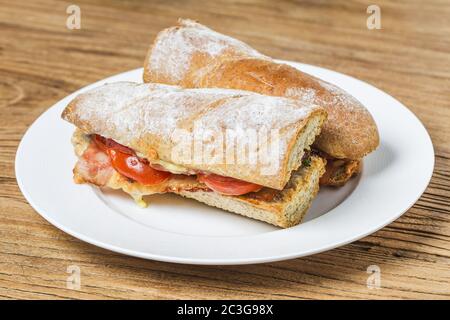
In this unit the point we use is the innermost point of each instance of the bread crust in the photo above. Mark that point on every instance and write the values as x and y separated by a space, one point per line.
144 117
194 56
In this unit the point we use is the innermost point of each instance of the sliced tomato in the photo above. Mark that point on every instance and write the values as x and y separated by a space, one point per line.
228 186
125 161
105 144
134 168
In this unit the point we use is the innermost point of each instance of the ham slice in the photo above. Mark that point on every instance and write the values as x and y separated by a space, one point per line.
94 166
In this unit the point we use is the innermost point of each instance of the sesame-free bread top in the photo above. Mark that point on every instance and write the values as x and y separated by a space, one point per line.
154 120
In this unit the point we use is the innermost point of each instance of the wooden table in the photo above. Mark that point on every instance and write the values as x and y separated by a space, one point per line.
41 61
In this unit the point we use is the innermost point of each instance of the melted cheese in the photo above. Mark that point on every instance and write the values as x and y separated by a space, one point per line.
168 166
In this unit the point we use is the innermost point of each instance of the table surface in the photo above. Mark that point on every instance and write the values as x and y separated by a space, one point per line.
41 61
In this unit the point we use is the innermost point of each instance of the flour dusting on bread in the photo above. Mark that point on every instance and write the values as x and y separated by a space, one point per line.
191 38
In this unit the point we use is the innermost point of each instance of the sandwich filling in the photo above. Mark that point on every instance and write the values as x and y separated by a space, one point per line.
338 171
104 162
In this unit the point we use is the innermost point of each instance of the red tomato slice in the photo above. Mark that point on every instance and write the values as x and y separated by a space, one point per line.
105 144
125 161
228 186
134 168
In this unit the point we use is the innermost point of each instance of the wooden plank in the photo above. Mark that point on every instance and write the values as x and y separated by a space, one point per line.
41 61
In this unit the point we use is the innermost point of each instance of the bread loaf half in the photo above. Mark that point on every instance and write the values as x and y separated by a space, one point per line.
239 134
194 56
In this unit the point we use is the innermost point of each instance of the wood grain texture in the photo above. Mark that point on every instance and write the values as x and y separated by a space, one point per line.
41 61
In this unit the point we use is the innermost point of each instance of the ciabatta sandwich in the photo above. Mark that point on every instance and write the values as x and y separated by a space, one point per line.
236 150
193 56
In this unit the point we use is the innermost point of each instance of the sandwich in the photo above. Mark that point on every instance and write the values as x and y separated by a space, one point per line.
237 150
193 56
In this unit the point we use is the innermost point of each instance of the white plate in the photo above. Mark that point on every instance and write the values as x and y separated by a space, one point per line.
179 230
